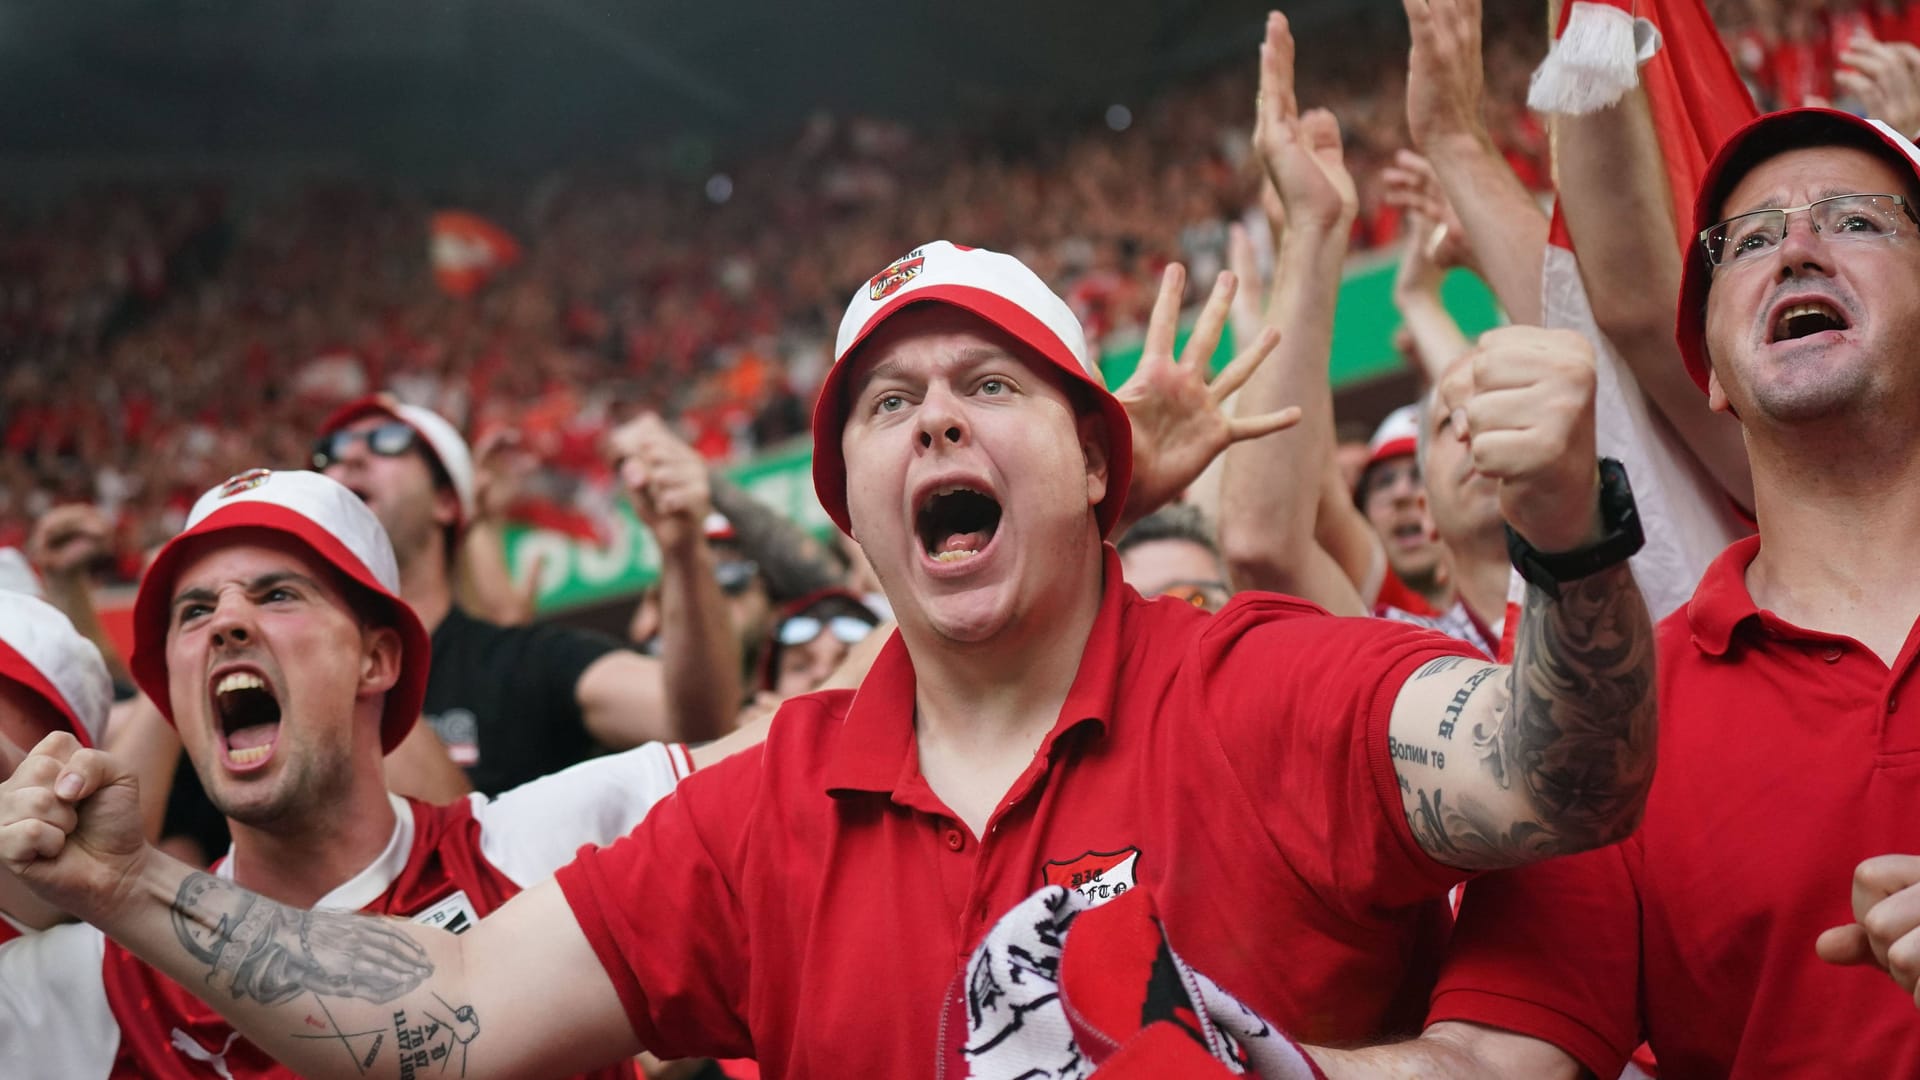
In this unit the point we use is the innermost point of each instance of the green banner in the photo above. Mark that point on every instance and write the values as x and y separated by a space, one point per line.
574 573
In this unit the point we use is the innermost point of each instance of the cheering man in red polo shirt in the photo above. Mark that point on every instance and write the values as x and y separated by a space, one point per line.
1785 752
1297 791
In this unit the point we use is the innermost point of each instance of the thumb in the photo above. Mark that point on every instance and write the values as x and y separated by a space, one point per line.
88 772
1845 945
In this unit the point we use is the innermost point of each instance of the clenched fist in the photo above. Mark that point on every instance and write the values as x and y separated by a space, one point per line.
70 826
665 478
1523 398
1886 927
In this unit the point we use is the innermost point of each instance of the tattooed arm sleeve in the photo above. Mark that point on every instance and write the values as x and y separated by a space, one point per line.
1505 765
793 562
338 994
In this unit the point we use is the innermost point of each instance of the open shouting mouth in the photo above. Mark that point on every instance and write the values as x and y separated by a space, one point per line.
1805 318
248 712
956 523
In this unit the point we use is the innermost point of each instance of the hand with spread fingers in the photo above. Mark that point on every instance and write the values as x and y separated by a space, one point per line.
1523 398
1446 79
1302 154
1178 423
1886 927
1885 76
665 477
70 826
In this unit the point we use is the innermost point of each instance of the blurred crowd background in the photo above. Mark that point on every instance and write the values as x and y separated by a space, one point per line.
160 333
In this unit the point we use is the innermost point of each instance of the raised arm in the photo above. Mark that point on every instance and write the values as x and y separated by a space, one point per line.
792 561
482 576
1554 754
1436 240
1445 83
1619 210
329 994
699 667
1270 487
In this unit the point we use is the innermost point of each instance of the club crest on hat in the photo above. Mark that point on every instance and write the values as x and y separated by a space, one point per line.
898 273
1097 875
245 481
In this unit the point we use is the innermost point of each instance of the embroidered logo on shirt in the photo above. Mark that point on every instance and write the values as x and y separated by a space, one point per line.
1097 875
455 915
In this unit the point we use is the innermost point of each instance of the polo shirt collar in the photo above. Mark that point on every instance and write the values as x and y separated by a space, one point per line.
1722 601
875 749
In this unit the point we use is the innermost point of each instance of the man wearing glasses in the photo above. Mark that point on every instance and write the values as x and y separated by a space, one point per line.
516 703
1172 552
1790 724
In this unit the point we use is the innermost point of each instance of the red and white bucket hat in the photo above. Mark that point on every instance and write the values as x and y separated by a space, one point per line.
441 437
332 523
1397 436
40 649
998 288
1763 138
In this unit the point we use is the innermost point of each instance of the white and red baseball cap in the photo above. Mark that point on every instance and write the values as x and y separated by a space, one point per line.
998 288
332 523
41 650
1397 436
1765 137
449 449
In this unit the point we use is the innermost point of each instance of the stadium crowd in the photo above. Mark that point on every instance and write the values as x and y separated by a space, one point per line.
1558 729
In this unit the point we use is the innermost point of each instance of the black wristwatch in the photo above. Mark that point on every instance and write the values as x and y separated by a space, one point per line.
1618 516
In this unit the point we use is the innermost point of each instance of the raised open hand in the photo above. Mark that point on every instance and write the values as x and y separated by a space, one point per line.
1178 423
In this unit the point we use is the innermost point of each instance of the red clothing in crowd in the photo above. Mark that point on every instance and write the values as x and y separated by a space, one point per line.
1786 757
813 902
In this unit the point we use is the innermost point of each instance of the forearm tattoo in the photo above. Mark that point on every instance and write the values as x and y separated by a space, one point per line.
1571 728
258 949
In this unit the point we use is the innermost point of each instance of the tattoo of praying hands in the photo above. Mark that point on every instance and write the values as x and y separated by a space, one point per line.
1572 728
256 948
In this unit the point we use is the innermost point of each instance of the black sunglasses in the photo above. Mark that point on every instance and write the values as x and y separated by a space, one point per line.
387 440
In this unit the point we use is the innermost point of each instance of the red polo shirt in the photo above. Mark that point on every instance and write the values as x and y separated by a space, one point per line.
1786 757
811 902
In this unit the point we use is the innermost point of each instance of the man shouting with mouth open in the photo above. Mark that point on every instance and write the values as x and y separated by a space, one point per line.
1297 791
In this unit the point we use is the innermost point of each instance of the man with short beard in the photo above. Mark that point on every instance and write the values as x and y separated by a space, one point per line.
272 635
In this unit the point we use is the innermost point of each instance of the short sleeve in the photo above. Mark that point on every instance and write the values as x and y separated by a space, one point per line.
560 655
1300 701
661 908
54 1016
1552 951
528 832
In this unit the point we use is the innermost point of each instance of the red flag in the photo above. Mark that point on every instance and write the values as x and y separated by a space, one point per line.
467 250
1603 50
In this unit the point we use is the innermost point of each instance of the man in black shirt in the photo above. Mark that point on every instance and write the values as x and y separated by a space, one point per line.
514 703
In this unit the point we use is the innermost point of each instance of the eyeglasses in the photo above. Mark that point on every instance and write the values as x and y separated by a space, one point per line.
804 628
1205 595
387 440
1842 217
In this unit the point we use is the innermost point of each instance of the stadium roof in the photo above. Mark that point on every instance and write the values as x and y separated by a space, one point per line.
420 82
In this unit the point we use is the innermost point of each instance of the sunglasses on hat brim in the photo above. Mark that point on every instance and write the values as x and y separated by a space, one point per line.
735 575
802 629
388 440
